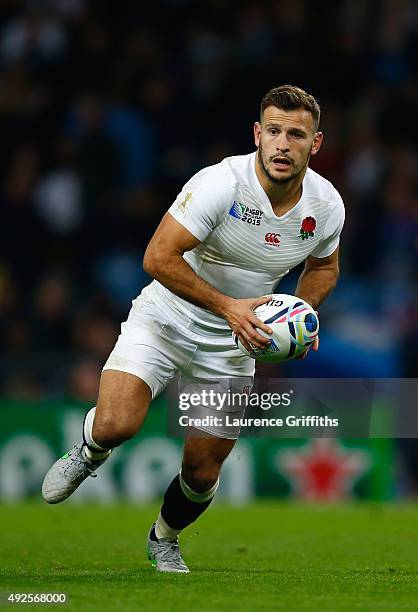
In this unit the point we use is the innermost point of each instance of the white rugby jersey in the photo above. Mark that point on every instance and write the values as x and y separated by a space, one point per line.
245 248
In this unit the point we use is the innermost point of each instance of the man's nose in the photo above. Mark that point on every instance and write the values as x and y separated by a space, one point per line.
282 144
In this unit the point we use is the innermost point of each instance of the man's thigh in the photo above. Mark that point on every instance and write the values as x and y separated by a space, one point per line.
122 403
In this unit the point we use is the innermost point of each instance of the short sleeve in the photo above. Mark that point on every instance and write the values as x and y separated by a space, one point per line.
203 201
333 227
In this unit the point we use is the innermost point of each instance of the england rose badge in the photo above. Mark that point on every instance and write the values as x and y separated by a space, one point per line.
307 228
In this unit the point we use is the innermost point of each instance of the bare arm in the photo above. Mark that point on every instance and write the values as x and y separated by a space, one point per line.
163 260
318 279
316 282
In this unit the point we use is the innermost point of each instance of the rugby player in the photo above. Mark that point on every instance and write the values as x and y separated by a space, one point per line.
235 229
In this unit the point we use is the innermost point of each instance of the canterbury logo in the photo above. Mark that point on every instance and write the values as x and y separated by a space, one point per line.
273 239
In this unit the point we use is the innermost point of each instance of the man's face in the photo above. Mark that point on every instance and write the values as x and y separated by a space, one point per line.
285 141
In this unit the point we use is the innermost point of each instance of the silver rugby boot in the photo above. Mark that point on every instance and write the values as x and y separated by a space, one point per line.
165 555
67 474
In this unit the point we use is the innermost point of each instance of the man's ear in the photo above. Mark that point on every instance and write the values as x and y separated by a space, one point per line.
317 142
257 133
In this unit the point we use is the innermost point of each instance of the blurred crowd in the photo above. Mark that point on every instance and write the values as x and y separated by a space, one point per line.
106 110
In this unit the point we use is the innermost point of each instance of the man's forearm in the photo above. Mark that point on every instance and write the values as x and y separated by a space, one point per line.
315 285
176 274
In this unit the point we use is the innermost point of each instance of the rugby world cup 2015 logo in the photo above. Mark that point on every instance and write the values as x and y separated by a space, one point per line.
237 210
244 213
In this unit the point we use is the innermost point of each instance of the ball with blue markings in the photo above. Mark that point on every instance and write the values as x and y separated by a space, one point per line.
295 326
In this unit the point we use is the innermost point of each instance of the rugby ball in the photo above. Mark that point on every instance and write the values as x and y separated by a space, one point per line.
295 326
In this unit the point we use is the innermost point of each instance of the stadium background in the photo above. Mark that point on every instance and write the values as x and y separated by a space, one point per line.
104 114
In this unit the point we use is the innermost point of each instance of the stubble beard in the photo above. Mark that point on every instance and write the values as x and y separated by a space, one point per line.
279 180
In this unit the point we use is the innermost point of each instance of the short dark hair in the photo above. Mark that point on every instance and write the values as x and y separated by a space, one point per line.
290 97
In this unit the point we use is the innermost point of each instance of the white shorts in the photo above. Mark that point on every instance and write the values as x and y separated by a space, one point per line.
155 346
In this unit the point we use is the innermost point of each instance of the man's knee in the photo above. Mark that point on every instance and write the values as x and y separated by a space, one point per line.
202 461
201 477
111 430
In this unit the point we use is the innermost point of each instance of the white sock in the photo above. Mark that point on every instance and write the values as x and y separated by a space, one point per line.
164 531
93 451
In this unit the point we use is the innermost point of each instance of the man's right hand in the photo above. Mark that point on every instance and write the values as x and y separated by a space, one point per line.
239 314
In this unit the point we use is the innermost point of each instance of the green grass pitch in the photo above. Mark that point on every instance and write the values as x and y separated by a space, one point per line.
264 556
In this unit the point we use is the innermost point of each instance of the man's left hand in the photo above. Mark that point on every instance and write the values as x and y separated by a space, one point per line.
314 347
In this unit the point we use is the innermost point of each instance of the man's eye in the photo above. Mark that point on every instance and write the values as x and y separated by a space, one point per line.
272 131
